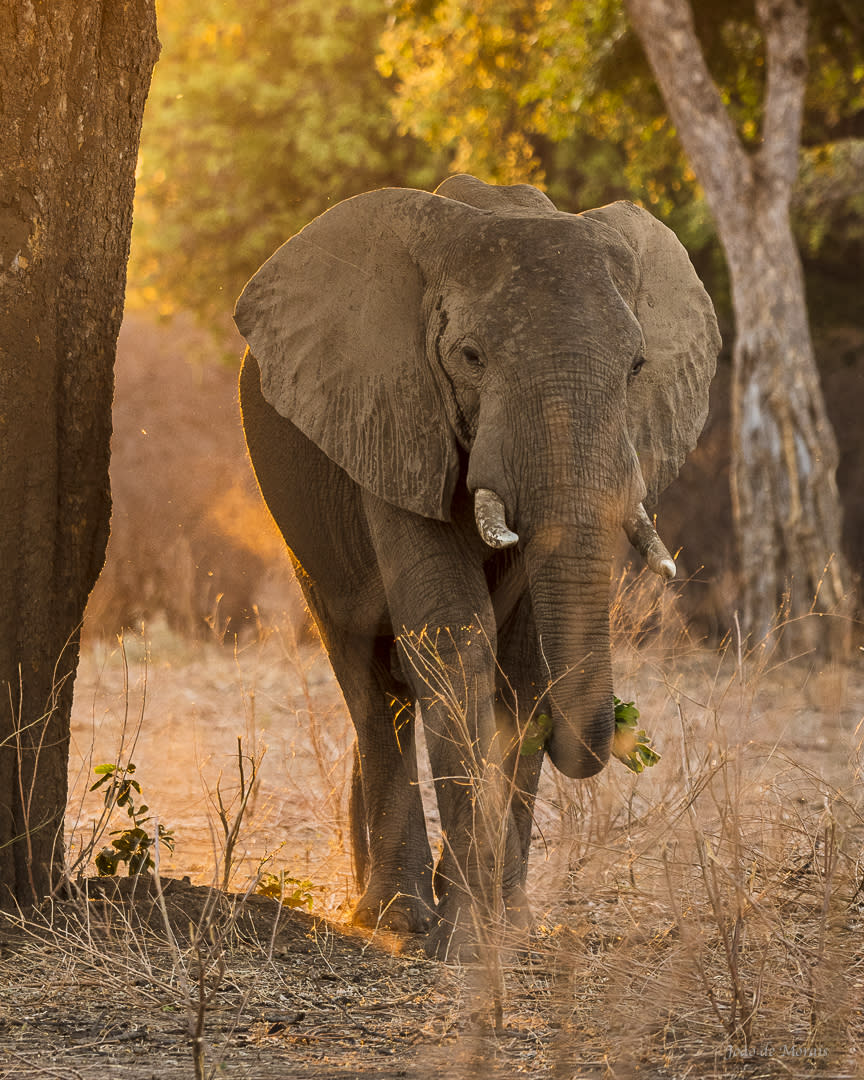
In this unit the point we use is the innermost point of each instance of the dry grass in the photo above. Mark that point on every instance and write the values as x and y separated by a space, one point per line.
277 695
702 919
710 909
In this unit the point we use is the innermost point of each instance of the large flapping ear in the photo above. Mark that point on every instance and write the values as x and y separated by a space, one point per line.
334 319
519 198
667 402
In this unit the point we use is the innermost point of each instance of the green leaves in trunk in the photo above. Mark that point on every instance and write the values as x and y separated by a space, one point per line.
536 734
630 744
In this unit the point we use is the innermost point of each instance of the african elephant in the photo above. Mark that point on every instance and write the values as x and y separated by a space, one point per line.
453 402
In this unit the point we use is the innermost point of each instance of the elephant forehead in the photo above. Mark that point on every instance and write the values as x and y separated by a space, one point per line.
552 253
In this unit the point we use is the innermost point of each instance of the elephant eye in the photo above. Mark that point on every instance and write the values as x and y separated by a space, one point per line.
638 364
473 358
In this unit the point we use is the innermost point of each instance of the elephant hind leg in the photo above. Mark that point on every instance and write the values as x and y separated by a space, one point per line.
357 823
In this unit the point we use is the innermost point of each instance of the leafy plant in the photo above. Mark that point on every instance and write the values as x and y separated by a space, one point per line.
132 845
536 734
631 745
289 891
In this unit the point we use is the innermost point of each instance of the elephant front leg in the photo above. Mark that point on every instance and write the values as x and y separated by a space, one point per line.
453 673
523 774
439 603
398 888
521 683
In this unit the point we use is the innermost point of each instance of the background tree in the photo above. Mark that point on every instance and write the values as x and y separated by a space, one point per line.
568 85
784 454
282 113
72 90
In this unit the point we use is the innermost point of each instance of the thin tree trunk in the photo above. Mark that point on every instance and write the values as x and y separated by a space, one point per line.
784 455
73 82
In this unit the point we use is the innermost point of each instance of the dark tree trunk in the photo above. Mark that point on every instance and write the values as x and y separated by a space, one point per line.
73 82
784 454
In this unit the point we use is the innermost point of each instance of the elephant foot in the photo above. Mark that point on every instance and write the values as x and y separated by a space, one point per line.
452 944
459 934
402 914
520 918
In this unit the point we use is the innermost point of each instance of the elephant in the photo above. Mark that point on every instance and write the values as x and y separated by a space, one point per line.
453 402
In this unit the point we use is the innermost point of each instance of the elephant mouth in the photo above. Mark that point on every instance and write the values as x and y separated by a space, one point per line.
490 516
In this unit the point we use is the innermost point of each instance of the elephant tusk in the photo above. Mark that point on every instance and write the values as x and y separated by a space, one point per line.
643 536
491 522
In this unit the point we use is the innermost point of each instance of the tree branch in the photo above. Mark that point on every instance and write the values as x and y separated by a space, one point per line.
709 138
784 26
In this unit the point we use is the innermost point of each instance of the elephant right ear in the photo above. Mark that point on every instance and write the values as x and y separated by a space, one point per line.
668 402
334 319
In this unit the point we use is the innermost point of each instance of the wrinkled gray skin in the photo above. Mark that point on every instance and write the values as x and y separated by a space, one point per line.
407 349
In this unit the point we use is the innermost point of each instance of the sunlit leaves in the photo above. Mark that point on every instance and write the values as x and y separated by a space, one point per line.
465 82
552 92
631 744
558 92
261 115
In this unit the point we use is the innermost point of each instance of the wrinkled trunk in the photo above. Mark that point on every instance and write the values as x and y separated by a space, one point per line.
568 495
570 593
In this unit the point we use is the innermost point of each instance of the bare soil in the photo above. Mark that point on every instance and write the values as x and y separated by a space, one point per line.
703 919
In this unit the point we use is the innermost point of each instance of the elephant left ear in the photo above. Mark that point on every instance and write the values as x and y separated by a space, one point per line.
667 402
335 319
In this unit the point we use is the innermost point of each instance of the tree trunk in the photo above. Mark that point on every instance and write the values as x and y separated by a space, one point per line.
784 454
72 90
786 508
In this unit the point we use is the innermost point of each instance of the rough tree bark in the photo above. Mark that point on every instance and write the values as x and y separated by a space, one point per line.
73 82
784 455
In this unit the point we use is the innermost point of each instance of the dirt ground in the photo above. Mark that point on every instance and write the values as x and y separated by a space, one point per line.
703 919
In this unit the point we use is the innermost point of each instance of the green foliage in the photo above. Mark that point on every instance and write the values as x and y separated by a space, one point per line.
535 737
290 892
132 846
558 93
260 116
631 744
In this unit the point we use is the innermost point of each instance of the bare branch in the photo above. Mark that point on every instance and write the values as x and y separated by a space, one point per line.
784 26
709 138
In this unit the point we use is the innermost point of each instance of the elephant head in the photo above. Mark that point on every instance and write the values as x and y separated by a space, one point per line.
568 356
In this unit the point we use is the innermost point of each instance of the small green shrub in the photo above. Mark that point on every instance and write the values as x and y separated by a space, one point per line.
133 845
289 891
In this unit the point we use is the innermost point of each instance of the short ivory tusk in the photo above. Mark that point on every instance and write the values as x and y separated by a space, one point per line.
643 536
491 522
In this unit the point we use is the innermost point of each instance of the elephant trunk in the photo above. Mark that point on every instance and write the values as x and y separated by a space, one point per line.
564 503
570 596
